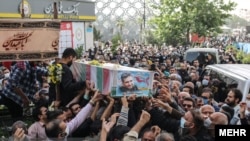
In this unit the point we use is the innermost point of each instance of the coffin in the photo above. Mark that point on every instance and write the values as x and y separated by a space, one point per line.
114 78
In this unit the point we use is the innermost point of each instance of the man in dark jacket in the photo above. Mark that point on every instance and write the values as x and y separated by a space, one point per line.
69 88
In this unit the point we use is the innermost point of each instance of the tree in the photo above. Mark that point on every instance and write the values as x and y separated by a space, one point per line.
116 40
120 24
97 34
79 51
176 19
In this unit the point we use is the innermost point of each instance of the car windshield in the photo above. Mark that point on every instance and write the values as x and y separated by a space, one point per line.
201 56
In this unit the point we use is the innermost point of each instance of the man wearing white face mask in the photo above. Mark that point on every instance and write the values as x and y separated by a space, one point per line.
6 72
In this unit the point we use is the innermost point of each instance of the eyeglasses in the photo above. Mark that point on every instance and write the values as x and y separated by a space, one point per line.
187 105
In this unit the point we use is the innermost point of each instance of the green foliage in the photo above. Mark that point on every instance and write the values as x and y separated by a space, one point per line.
116 42
246 59
240 55
177 19
79 51
120 24
97 34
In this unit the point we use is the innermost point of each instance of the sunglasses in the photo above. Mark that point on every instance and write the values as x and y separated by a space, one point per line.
187 105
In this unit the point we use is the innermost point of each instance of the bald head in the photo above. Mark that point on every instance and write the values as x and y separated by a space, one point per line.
207 110
219 118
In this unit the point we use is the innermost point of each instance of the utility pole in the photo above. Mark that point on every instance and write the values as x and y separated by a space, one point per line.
55 11
22 10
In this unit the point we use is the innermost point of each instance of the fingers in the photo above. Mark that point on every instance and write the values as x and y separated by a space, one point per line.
116 115
19 133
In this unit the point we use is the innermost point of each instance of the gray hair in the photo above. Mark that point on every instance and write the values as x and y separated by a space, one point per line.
19 124
165 136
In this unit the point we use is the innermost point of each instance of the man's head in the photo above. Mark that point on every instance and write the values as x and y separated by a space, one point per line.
217 118
127 80
189 88
75 108
193 122
207 110
69 55
188 103
40 113
207 96
56 129
165 136
19 124
147 135
181 97
233 97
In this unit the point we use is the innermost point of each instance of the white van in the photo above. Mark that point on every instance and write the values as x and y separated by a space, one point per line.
200 53
230 75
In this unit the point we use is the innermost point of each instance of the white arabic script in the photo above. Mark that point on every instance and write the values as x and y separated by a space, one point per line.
69 10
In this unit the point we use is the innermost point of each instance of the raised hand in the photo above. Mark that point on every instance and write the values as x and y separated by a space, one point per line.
19 135
164 95
156 130
145 116
124 100
132 97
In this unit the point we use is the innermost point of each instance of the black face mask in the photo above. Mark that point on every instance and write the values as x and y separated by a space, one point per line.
69 63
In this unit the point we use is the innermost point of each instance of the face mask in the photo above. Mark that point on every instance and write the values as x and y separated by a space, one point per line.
248 103
46 97
7 75
204 82
136 64
182 122
207 122
205 100
70 63
247 112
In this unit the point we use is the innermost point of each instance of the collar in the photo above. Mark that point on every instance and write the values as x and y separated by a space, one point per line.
41 123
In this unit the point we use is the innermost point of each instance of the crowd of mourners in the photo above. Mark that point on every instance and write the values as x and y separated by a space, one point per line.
184 106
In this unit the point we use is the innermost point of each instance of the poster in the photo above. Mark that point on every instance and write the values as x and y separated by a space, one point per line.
71 36
132 82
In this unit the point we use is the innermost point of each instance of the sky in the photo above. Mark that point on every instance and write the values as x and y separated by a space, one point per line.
242 4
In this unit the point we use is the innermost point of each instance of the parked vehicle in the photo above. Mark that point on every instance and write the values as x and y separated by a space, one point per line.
229 76
201 53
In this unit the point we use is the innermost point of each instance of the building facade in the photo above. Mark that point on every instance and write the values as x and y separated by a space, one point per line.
76 18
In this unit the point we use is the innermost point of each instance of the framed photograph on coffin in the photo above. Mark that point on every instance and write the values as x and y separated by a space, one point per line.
133 82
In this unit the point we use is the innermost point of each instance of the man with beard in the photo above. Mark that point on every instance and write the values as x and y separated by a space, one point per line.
233 99
69 87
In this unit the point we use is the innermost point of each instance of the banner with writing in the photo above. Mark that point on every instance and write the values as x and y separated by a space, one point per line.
25 39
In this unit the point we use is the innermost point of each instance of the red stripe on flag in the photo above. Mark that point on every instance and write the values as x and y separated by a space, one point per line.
88 72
